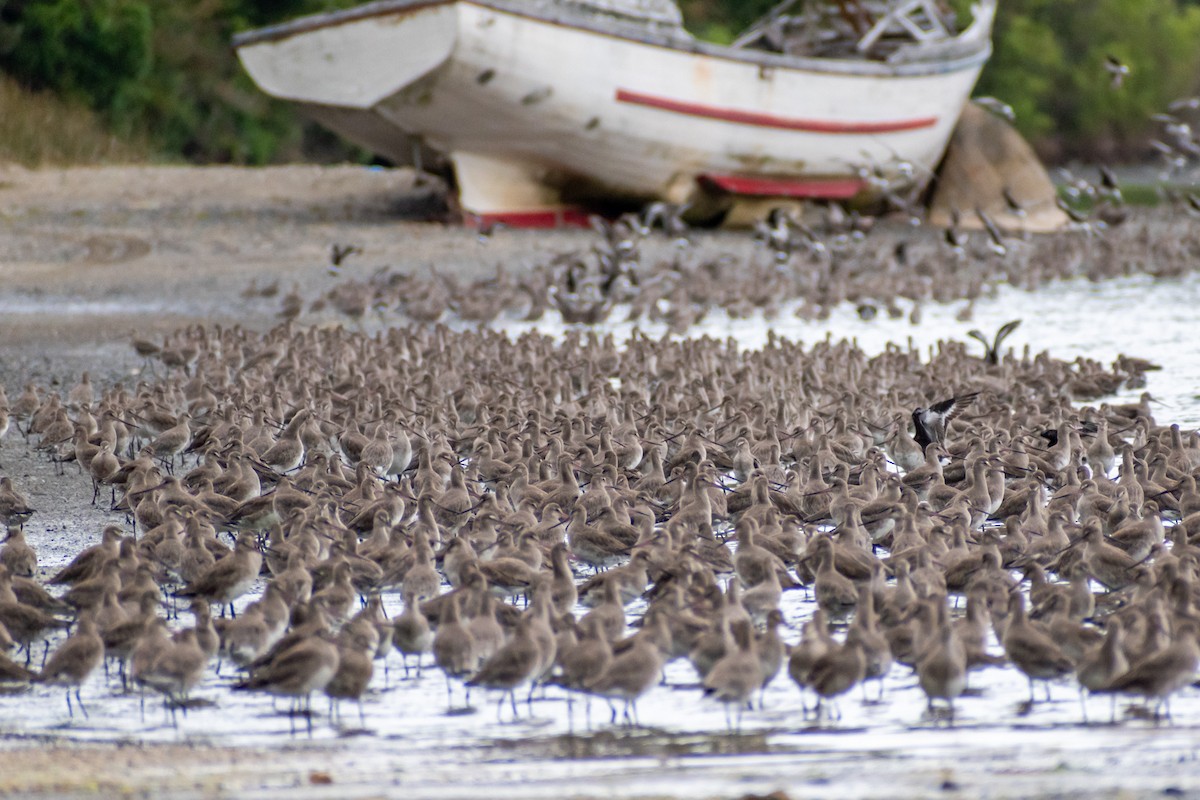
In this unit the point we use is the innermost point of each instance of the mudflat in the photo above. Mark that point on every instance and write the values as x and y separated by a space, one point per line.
88 255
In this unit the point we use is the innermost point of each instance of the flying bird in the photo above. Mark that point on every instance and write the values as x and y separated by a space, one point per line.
991 349
1116 70
930 423
997 107
339 253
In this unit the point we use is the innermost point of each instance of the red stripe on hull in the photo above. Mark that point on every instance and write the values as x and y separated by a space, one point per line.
834 189
771 120
550 218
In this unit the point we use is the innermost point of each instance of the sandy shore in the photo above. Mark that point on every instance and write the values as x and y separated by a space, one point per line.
88 255
65 770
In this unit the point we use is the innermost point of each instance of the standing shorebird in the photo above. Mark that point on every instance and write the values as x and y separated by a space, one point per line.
17 554
356 647
74 660
14 507
172 442
734 679
941 664
1160 675
23 624
175 669
454 649
411 633
512 666
1103 664
231 577
1030 650
307 666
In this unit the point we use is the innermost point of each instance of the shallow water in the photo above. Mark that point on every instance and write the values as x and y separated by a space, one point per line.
1137 316
998 746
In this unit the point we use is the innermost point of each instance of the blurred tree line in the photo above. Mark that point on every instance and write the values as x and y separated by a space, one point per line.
1049 62
164 70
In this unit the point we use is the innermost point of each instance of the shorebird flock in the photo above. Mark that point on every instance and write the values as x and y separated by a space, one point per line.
969 508
804 268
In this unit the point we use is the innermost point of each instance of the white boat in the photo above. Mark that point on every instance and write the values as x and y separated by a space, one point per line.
549 108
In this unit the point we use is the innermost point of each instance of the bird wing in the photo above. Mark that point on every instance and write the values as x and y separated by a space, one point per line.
948 410
944 407
1006 329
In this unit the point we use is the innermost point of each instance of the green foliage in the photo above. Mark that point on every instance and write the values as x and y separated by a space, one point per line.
42 127
89 51
1022 73
162 70
1049 65
722 20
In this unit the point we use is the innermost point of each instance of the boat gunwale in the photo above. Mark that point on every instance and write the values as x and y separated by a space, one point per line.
647 36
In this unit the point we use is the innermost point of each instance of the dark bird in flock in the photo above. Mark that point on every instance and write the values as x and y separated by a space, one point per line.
1077 216
1051 434
995 237
339 253
1110 188
930 423
1013 205
955 237
991 350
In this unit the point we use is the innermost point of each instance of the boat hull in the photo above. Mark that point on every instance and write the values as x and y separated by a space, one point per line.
537 115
